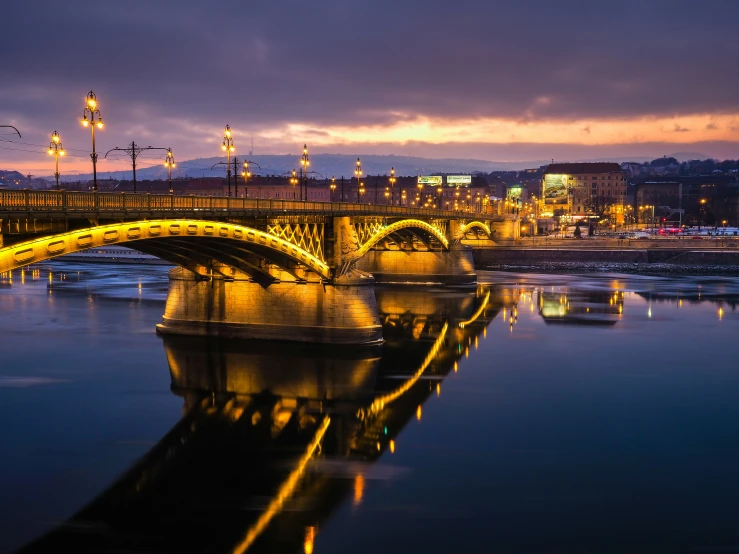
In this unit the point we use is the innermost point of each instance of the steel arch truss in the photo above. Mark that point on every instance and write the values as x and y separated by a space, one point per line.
196 243
473 226
414 226
308 236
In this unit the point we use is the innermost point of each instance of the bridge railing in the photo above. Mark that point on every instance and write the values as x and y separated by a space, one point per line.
63 201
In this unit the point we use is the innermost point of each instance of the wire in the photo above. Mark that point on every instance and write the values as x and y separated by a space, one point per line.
39 145
37 152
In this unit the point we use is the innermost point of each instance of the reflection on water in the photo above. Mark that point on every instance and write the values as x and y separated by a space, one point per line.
274 437
503 423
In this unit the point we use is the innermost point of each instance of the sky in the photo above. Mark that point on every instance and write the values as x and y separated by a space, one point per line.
506 81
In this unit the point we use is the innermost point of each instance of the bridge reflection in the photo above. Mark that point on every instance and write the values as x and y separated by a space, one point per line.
273 438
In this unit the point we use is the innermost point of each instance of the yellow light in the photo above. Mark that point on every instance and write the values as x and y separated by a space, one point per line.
392 446
100 124
232 149
55 138
223 147
84 123
438 389
419 412
720 313
91 102
310 537
62 152
358 489
50 151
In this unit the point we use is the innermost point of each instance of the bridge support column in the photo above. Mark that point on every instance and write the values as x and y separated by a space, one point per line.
454 267
305 312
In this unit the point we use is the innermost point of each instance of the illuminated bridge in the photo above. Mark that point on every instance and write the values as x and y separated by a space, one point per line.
257 268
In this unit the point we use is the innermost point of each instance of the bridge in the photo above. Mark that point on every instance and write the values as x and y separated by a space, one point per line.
272 441
249 268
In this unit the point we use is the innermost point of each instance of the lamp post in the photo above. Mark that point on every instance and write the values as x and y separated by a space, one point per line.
245 173
420 193
56 150
169 164
304 163
358 173
700 212
360 192
392 185
332 186
91 116
387 195
294 181
440 192
228 147
403 197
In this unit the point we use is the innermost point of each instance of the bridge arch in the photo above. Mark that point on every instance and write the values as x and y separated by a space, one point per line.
411 224
149 236
464 229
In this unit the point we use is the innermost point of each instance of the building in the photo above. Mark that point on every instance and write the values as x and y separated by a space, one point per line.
580 190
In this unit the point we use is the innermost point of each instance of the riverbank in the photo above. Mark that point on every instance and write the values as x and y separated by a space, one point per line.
682 260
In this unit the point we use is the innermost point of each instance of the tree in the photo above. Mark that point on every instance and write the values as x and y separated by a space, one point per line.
599 206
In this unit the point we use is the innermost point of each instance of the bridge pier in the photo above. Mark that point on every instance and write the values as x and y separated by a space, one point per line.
340 313
452 267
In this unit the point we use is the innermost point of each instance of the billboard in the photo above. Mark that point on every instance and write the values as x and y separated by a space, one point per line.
555 188
458 180
433 180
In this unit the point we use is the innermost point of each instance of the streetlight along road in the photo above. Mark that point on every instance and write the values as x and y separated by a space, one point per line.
95 119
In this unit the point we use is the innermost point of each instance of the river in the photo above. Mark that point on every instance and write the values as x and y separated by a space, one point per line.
537 413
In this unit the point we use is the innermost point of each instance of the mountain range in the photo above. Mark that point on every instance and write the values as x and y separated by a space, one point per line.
338 165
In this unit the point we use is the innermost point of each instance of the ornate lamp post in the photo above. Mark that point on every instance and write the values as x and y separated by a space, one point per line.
228 147
420 192
387 195
304 163
169 164
56 150
360 192
392 185
245 173
294 181
91 116
403 197
358 173
332 186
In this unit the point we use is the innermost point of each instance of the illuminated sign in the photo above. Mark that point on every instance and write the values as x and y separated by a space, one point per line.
555 188
457 180
514 191
434 180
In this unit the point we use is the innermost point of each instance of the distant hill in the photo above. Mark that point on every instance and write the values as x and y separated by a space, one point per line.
338 165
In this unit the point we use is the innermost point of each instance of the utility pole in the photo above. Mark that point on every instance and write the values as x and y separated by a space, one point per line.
236 178
133 151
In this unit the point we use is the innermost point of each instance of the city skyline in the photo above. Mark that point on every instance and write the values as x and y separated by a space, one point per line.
499 83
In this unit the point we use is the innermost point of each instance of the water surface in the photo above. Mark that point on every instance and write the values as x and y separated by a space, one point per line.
538 413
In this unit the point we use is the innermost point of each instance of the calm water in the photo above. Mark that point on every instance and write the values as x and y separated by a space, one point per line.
538 413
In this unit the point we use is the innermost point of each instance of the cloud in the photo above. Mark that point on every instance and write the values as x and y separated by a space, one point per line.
175 72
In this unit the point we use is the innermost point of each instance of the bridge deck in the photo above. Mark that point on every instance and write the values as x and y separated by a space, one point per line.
50 204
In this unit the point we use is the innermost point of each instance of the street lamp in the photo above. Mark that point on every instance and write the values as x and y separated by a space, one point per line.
358 173
403 197
420 191
360 192
228 147
56 150
91 116
392 185
294 181
387 195
169 164
700 212
332 186
304 163
245 173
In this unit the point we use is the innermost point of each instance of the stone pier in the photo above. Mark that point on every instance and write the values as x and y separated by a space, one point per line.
344 313
453 267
